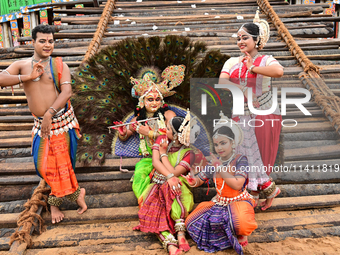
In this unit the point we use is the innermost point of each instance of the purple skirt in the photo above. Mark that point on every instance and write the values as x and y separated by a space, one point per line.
211 228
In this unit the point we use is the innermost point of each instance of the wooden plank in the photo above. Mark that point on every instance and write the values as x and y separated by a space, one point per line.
318 152
17 119
311 136
109 165
21 142
15 111
15 134
15 126
12 99
307 127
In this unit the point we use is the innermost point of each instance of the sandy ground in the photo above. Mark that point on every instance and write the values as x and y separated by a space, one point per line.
329 245
290 246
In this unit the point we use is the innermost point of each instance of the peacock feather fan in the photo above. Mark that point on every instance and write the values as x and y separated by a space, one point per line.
102 88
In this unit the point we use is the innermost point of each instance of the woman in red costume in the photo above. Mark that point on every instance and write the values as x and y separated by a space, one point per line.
252 72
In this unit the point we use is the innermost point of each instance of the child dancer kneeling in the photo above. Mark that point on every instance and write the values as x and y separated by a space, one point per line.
214 224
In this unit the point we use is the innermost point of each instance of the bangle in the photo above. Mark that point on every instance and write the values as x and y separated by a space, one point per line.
150 134
20 81
65 82
122 137
251 69
53 109
163 155
194 184
169 176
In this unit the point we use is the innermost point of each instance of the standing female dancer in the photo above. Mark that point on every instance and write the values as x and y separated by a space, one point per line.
252 71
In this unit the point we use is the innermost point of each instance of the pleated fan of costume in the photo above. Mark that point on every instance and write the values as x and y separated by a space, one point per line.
102 85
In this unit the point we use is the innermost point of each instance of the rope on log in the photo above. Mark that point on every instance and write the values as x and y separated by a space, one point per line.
29 217
103 22
324 97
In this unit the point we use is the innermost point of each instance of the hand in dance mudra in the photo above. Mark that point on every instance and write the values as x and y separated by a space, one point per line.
174 183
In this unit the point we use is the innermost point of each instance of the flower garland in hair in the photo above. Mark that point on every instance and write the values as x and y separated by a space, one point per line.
184 130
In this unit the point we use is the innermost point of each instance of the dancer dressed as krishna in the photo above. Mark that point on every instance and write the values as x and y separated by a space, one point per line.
123 85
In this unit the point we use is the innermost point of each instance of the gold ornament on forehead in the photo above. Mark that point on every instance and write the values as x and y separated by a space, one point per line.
172 77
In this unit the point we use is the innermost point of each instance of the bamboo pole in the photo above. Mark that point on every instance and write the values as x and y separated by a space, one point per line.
95 43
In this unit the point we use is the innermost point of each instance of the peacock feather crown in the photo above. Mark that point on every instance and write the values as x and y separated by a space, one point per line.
172 77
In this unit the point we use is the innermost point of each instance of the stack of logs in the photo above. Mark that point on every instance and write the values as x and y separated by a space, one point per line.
309 202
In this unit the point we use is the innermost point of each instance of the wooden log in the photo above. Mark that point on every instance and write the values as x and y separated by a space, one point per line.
16 142
155 247
15 126
16 119
311 136
300 190
63 4
6 232
120 233
16 192
14 152
299 114
319 152
4 65
128 214
306 144
307 165
295 173
306 127
94 170
303 233
58 52
15 111
12 99
22 192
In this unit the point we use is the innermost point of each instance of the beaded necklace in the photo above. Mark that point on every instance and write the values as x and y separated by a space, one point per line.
245 82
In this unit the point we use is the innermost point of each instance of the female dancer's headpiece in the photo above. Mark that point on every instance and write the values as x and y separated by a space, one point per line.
235 128
264 33
183 133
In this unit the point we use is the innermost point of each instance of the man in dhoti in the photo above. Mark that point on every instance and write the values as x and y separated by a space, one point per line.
47 85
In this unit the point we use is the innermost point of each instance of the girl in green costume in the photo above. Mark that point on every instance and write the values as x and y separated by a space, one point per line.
164 197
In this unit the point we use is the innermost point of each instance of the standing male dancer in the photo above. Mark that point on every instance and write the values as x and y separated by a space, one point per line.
47 85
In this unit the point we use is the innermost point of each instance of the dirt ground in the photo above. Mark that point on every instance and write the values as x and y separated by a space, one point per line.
290 246
329 245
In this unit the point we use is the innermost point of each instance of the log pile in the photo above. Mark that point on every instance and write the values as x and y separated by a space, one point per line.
313 146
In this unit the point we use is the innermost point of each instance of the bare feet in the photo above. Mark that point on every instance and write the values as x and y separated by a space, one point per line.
56 214
173 250
243 240
182 242
256 196
268 202
81 201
